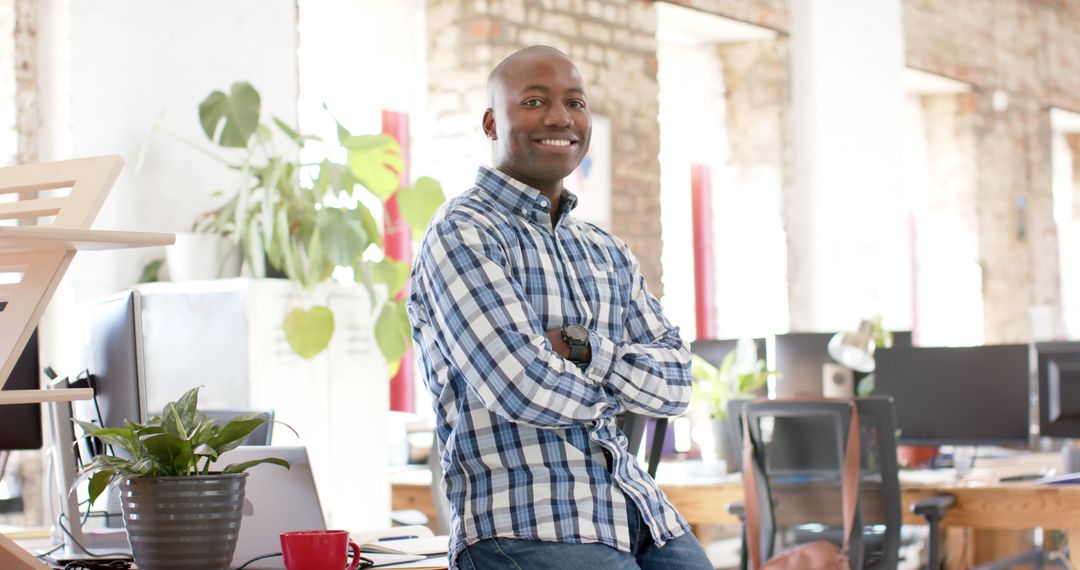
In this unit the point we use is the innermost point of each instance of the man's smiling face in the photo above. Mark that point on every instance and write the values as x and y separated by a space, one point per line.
539 119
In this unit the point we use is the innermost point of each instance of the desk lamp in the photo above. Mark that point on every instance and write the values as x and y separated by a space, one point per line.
855 349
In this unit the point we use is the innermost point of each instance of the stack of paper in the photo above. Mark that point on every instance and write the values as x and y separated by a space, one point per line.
404 547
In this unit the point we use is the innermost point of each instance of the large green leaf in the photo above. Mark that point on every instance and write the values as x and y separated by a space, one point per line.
170 452
343 236
375 161
99 482
370 225
241 467
392 273
309 332
419 202
233 433
392 330
238 111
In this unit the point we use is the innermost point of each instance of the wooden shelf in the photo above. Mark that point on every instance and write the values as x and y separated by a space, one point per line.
34 396
18 239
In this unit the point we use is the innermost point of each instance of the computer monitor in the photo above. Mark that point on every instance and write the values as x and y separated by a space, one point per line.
714 350
115 362
1059 388
800 357
958 395
20 425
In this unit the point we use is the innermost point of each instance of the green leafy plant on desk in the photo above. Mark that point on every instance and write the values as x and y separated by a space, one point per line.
301 221
741 372
167 487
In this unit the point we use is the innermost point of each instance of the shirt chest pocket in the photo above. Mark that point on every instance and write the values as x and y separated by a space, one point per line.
603 290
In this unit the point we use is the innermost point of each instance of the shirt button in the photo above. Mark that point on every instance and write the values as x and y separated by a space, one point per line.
524 212
543 203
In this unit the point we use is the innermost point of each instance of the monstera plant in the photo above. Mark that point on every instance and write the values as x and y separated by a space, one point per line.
304 220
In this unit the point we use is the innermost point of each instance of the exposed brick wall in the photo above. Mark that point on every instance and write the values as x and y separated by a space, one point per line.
7 82
28 118
1028 49
613 43
1017 45
766 13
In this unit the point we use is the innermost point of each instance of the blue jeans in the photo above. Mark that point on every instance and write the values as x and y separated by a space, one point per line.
683 553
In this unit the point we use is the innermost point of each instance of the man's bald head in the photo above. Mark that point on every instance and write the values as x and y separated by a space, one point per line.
538 117
496 76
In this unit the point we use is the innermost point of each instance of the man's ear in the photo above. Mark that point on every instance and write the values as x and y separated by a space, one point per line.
489 124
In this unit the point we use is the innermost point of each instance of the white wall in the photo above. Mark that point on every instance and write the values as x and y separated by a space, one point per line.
110 70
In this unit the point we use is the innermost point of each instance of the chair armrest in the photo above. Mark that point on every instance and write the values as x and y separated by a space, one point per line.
737 509
933 508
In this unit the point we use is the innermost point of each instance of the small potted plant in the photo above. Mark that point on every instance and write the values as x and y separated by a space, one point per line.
739 375
177 512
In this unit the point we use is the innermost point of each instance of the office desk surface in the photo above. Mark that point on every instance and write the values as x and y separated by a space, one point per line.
981 501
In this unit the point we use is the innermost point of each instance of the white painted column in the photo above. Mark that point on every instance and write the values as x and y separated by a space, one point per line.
848 217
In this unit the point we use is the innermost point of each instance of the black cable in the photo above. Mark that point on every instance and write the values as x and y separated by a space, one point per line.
256 559
98 565
60 522
364 562
44 555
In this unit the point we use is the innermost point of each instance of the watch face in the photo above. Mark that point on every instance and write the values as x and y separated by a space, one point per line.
576 333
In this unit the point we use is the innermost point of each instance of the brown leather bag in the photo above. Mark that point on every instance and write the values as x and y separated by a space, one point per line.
816 555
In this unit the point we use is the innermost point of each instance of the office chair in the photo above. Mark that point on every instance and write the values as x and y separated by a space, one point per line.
800 449
633 427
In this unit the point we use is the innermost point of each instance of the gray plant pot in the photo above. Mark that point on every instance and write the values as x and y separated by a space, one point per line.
183 523
724 449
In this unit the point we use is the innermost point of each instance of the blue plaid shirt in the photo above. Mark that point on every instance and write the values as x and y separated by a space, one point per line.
522 431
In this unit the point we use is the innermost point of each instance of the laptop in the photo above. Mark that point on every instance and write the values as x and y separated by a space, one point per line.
277 500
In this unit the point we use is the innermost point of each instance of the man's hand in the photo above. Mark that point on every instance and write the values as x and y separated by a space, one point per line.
562 348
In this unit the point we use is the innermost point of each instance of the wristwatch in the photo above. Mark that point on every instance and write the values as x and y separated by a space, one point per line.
578 339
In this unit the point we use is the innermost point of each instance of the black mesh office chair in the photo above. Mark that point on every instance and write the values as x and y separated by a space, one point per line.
633 427
800 448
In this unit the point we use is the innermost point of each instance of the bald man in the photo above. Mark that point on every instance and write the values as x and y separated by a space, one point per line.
535 330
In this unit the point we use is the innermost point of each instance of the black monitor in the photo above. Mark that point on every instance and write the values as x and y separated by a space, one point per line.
1059 388
20 424
799 357
958 395
714 350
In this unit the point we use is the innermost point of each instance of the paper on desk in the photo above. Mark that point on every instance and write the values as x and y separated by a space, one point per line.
415 540
435 563
381 559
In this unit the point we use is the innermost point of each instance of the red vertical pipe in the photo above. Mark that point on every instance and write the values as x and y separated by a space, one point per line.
398 245
701 198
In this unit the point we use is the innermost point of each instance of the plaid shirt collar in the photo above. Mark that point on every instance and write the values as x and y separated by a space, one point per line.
520 198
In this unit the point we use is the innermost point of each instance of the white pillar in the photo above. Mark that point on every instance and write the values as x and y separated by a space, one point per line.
848 229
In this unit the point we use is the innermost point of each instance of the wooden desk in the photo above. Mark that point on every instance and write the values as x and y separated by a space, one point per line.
980 505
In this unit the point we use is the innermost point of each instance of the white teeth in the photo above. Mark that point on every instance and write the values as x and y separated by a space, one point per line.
555 142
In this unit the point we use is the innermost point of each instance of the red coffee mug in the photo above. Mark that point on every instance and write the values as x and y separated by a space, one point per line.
318 550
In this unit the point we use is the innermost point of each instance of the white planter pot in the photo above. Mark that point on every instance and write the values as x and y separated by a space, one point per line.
197 256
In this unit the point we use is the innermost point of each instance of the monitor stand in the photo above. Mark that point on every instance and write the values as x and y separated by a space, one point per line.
80 542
